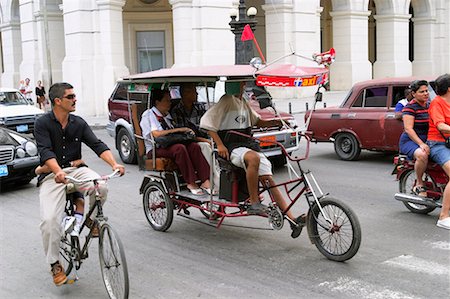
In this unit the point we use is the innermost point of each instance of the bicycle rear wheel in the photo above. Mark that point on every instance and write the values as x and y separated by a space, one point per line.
113 263
340 239
66 246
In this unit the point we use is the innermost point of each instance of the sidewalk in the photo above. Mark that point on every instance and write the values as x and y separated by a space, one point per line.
295 106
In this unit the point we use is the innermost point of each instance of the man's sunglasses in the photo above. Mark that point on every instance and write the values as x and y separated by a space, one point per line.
70 96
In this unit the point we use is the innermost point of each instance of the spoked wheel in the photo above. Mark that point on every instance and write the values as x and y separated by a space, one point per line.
113 263
406 185
66 246
158 207
340 239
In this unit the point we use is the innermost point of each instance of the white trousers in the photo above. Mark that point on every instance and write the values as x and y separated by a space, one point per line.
207 153
52 198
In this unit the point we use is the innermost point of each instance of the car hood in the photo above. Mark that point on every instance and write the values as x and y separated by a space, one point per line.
19 110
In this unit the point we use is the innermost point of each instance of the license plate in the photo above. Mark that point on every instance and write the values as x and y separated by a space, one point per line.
267 141
3 170
22 128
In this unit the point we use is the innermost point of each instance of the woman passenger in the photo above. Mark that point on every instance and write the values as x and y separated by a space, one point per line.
413 139
440 130
188 157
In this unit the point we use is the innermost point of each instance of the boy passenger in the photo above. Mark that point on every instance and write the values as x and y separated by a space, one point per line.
232 113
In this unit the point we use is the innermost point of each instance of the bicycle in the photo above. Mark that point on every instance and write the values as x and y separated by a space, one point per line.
113 263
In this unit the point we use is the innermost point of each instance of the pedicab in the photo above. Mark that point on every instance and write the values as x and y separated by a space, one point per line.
332 226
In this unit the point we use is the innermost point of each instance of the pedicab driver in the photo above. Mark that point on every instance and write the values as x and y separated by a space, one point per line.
59 135
233 113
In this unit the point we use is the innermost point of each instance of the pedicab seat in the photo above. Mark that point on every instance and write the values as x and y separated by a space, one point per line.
159 164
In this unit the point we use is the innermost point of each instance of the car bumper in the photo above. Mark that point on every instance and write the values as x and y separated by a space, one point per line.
20 169
287 138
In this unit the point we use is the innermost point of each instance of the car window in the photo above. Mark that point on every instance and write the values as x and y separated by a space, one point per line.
121 94
372 97
398 93
12 98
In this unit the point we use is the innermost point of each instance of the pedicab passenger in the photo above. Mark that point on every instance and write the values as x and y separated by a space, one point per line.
233 113
157 122
438 132
187 113
413 139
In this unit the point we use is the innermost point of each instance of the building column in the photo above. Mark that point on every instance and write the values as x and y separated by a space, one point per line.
31 60
94 67
213 41
392 46
80 67
423 47
182 32
280 39
441 52
12 54
50 45
350 40
110 51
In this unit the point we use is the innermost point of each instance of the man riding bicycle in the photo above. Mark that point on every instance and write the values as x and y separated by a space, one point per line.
59 135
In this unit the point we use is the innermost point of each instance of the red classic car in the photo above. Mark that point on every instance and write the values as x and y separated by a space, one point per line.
365 119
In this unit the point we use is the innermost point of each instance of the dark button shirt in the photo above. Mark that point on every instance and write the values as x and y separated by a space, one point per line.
182 118
64 144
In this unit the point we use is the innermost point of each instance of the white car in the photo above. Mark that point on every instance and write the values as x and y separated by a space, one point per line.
16 112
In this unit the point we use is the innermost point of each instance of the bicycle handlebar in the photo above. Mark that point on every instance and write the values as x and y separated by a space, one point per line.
102 178
283 149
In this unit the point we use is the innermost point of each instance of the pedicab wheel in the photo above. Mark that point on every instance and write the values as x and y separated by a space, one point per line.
340 239
66 245
406 185
158 207
113 263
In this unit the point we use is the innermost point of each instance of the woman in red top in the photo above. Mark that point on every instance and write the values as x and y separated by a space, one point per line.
439 129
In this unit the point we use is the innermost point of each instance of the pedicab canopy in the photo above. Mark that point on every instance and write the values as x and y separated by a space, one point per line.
280 75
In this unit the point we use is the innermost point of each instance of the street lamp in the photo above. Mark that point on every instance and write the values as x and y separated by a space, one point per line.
243 49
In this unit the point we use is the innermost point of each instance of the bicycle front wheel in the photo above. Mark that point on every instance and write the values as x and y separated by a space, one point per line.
334 230
113 263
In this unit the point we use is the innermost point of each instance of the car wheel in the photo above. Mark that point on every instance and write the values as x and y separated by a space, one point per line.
347 147
126 147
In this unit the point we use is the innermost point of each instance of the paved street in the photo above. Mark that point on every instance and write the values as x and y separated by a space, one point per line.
402 255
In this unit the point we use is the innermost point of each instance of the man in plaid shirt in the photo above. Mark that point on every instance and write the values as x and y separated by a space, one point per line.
188 111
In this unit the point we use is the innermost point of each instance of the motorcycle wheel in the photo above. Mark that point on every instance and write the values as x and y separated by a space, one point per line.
406 184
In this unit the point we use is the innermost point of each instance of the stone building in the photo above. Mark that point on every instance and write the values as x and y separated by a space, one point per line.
91 43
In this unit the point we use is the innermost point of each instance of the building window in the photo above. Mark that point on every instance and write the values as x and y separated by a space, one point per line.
150 50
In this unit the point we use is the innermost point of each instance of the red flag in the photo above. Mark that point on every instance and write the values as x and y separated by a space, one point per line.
247 34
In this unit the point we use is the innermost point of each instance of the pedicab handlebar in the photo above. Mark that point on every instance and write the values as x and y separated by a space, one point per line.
283 149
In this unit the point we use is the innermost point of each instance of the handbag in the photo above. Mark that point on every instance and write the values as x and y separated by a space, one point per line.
174 138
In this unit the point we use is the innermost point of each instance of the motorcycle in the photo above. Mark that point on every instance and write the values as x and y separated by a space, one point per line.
435 181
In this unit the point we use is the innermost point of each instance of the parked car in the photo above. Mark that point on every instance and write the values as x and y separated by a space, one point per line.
18 157
127 92
16 112
365 119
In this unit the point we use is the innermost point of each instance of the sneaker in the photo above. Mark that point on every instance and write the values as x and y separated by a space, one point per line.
68 224
444 223
297 228
59 276
94 227
257 209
